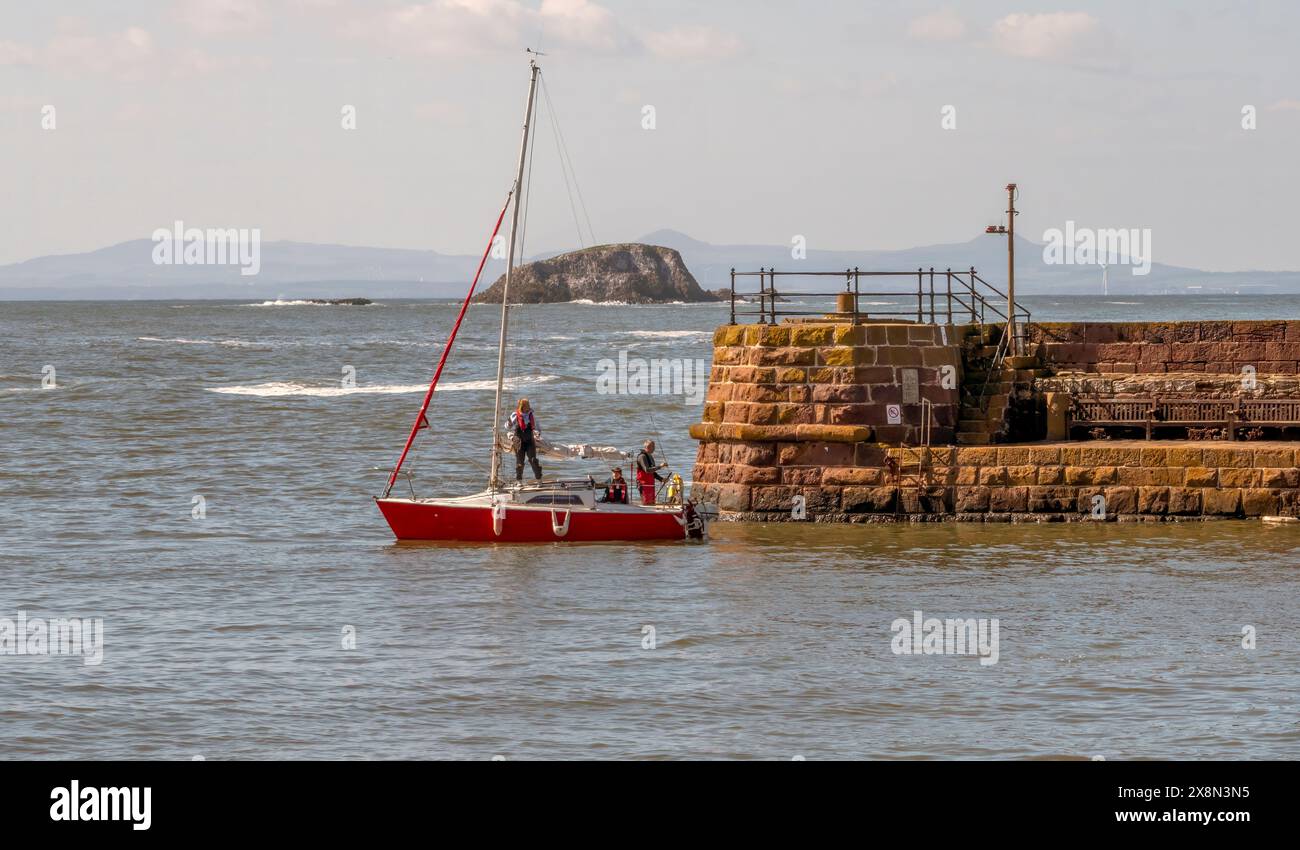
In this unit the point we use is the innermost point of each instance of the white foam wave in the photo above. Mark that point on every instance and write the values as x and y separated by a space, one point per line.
282 389
278 389
491 384
408 343
669 334
233 343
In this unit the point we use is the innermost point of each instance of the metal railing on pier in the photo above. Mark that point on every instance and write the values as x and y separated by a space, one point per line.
924 296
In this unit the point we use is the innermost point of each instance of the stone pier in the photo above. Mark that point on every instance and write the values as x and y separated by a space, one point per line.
827 421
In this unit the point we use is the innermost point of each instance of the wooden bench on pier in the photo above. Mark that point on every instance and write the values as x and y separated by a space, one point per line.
1150 412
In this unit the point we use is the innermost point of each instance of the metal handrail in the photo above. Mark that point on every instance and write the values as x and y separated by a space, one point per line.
995 368
966 298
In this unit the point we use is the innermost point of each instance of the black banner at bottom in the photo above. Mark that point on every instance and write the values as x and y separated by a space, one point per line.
208 799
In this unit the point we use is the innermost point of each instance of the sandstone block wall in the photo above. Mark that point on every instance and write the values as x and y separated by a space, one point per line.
1271 347
1036 483
830 382
797 412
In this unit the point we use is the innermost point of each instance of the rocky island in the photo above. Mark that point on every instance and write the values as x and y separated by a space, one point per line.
629 273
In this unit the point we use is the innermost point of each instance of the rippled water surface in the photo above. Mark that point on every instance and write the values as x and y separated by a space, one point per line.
223 634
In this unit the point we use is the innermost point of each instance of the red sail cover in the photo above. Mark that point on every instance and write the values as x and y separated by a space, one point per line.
420 420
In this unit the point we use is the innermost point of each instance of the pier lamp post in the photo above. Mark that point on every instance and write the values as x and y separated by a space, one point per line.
1009 230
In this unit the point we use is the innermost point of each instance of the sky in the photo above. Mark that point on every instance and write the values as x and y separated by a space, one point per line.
771 120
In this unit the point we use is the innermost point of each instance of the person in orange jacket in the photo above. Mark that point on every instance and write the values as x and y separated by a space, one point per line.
615 488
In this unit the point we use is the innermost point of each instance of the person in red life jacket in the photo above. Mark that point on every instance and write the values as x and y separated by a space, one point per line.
616 488
523 426
647 472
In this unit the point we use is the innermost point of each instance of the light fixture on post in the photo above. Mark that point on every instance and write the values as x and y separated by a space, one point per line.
1009 230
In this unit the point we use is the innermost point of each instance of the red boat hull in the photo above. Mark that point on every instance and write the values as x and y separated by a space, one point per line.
432 520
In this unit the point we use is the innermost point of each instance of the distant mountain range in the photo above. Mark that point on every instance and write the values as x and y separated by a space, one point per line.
305 270
712 264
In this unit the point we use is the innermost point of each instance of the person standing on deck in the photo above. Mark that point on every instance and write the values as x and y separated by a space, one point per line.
647 474
523 427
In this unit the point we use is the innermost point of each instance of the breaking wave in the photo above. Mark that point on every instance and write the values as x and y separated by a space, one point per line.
491 384
234 343
278 389
282 389
669 334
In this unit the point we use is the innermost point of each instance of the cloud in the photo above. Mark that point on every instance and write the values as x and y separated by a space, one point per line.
851 87
876 86
19 103
579 22
441 111
698 42
473 27
130 113
1053 36
126 53
13 53
944 25
194 62
221 17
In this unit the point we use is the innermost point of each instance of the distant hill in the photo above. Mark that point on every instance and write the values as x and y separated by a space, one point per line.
630 273
306 270
288 269
712 265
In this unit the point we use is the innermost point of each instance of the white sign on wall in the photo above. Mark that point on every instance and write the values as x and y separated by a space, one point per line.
911 386
894 414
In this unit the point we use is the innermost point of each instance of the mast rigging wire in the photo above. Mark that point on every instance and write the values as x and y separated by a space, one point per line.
562 150
526 192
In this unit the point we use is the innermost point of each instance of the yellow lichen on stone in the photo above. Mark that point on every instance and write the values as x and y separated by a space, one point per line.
837 356
704 431
812 335
833 433
729 335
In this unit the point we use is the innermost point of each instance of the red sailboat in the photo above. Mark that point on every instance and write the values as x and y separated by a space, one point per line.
541 512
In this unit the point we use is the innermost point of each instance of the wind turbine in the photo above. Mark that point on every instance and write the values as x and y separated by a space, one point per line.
1105 281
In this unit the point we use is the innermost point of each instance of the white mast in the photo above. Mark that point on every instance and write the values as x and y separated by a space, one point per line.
493 482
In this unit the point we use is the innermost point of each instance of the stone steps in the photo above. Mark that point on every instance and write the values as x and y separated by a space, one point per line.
982 424
987 392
